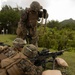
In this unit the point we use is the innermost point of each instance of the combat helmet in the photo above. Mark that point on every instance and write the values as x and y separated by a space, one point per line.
18 43
30 51
35 6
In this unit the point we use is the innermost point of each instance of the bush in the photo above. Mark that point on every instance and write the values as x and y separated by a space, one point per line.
56 39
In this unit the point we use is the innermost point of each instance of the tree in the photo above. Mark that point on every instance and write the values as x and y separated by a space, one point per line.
9 18
52 24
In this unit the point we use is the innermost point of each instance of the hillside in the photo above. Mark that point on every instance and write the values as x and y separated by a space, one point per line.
68 21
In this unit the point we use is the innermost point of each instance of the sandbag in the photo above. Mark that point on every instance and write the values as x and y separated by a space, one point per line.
61 62
51 72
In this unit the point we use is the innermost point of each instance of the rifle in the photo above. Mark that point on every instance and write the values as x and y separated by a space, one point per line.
41 58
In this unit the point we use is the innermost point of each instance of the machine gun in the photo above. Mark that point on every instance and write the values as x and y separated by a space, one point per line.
45 54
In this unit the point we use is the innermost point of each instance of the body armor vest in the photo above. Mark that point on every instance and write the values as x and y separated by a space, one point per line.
10 52
18 65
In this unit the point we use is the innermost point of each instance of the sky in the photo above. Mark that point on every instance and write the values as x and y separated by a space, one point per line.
57 9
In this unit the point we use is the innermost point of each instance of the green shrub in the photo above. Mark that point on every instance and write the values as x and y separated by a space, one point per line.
56 39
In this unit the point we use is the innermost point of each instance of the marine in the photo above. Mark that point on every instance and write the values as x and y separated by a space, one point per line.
31 52
27 27
6 51
17 61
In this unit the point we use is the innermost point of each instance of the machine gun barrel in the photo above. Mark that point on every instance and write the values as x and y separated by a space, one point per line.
55 54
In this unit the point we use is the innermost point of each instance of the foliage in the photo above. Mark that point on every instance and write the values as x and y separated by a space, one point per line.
56 39
57 35
53 24
9 18
68 24
69 57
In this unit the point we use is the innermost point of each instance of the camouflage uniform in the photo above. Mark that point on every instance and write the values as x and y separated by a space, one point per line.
7 52
16 63
31 51
27 28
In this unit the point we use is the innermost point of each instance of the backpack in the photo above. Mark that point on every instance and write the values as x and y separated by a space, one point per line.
18 65
3 72
11 64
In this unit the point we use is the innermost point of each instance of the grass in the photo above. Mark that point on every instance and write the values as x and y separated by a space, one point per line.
69 57
7 39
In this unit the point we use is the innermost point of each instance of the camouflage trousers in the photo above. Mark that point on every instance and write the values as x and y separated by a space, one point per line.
39 70
30 34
